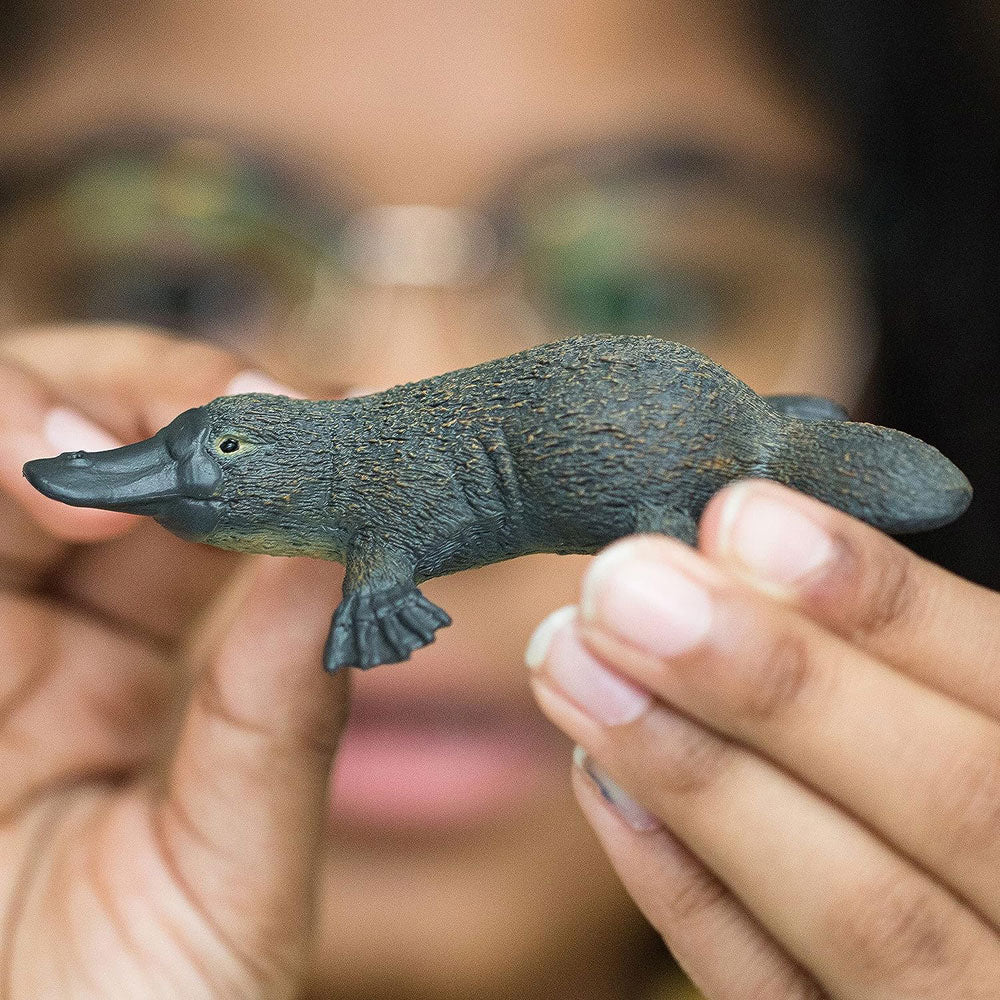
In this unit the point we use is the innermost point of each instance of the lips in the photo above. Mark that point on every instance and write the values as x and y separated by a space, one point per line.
411 765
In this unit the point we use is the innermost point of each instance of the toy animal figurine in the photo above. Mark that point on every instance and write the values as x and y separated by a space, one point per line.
560 448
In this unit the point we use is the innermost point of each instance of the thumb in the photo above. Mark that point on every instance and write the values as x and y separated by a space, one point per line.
241 819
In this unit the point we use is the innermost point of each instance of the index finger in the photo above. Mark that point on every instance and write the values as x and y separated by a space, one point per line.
93 388
128 380
861 585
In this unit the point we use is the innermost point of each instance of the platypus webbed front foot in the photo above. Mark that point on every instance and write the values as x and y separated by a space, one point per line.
381 626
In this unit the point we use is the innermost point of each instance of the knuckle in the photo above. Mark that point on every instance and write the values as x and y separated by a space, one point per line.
897 933
761 666
15 383
700 895
686 758
266 737
134 708
28 646
888 595
967 802
786 983
263 959
777 677
801 989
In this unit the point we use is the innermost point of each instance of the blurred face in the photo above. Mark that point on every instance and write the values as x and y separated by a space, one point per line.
369 194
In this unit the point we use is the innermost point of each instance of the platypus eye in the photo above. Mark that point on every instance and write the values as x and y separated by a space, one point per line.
228 445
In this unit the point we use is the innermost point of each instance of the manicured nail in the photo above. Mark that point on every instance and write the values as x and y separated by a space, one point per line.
773 540
66 430
557 654
645 600
253 381
634 815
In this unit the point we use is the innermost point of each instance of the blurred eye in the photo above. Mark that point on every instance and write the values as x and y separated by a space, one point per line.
606 264
198 298
632 301
185 237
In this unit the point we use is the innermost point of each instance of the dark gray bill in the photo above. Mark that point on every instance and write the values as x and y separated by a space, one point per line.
170 476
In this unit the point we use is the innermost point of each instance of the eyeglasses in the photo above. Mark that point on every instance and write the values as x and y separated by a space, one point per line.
208 240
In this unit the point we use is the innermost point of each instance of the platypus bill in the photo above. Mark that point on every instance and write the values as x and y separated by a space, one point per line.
561 448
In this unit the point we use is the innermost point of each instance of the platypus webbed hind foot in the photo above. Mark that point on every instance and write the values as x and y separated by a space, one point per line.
653 518
381 626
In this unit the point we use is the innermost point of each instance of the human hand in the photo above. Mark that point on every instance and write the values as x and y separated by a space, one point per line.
806 718
166 730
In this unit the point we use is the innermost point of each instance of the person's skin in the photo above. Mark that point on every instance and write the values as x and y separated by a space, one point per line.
132 867
806 716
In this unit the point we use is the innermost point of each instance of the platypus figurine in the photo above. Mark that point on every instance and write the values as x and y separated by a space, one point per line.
560 448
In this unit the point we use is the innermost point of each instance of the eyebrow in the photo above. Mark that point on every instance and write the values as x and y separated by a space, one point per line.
686 160
630 158
296 186
682 161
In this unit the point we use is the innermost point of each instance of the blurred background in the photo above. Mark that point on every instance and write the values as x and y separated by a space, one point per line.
363 195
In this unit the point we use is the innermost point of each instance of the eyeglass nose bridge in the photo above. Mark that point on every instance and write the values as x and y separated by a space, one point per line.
419 246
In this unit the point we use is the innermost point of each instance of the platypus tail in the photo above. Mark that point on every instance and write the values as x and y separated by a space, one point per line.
893 481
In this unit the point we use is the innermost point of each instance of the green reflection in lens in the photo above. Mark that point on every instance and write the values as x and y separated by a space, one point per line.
597 267
212 207
631 302
193 238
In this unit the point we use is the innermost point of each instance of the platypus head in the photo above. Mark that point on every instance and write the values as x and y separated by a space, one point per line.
248 472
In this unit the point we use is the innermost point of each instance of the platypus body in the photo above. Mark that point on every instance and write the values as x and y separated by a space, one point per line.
560 448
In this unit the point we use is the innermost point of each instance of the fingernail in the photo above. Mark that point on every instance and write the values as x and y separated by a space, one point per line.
773 540
556 653
646 601
254 381
66 430
541 639
635 815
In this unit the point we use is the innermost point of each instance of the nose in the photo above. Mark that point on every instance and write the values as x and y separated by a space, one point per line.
397 335
419 332
415 265
424 299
